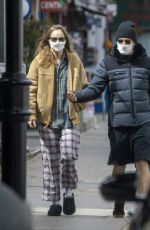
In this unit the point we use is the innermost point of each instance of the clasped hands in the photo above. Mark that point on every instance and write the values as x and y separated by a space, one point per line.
72 96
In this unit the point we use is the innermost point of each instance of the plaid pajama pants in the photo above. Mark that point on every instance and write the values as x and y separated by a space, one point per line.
59 148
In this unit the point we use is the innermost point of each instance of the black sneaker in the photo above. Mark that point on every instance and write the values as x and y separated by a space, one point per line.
54 210
68 204
119 209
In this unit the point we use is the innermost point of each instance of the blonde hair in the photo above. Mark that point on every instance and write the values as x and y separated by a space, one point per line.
43 47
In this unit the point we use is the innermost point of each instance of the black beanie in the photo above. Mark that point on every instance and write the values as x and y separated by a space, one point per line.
126 30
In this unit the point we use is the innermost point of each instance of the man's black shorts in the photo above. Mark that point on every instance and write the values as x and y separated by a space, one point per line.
129 144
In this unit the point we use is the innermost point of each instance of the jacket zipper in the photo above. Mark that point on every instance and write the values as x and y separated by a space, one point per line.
133 112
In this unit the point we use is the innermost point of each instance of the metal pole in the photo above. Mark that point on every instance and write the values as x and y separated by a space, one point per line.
14 103
2 31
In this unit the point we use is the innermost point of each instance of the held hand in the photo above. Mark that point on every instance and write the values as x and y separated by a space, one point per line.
71 96
32 124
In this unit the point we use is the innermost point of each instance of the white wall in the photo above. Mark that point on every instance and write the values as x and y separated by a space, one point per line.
96 37
100 38
144 39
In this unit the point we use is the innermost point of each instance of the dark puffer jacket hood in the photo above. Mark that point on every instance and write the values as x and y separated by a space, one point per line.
139 52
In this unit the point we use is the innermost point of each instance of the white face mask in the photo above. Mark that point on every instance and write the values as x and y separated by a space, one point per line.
125 49
57 46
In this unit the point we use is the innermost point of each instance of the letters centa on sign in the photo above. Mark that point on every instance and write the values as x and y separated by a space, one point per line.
50 6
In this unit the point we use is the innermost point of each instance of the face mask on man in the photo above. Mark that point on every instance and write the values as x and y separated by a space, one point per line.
57 45
125 47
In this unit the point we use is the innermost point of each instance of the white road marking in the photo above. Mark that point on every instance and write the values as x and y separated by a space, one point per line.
79 211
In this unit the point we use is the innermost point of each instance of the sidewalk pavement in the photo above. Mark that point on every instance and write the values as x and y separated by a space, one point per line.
93 212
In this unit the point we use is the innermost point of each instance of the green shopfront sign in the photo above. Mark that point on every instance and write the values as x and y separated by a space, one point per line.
135 10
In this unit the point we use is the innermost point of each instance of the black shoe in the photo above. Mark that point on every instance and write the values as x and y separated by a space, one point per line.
119 209
68 204
54 210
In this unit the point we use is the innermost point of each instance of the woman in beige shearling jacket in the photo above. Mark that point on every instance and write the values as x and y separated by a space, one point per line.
55 70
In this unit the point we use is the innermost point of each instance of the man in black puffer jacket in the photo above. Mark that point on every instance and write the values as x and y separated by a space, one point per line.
126 73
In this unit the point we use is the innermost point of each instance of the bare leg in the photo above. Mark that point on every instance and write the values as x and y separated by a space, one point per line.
143 185
143 173
118 169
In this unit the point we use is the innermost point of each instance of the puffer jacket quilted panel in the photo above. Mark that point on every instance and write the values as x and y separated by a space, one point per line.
129 96
128 83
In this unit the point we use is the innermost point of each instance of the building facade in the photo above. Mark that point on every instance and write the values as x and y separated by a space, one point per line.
85 20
